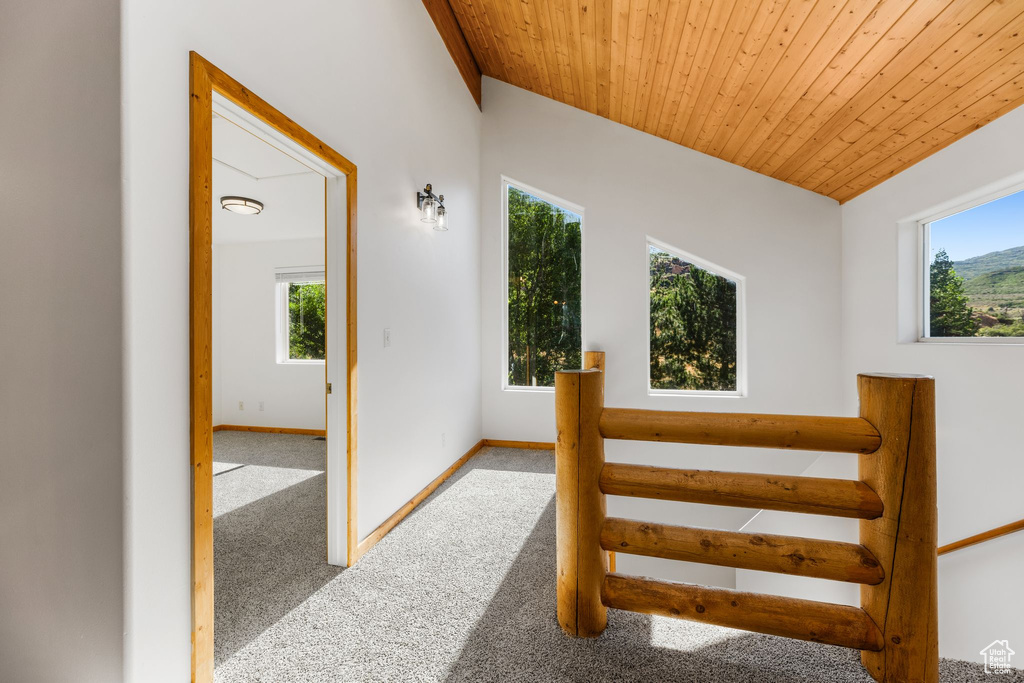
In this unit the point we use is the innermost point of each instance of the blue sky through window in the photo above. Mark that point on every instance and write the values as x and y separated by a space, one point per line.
994 226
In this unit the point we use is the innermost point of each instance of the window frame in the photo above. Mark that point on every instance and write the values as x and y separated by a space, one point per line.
741 321
282 343
566 205
924 268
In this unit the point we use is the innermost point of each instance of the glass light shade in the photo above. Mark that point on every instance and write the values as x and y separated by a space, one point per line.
429 210
442 219
242 205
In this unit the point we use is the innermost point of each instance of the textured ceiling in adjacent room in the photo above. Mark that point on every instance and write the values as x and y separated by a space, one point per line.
831 95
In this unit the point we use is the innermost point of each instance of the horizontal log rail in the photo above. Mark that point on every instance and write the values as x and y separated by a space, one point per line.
794 432
982 537
818 622
812 495
833 560
894 499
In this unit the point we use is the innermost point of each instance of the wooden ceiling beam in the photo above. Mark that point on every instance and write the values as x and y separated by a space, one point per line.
458 47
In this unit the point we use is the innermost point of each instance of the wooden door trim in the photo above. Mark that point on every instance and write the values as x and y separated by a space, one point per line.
204 80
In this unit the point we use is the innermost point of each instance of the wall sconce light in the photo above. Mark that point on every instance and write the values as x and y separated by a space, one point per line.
242 205
442 217
432 208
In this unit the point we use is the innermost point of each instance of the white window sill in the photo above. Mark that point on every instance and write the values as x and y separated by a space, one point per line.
300 362
696 393
971 341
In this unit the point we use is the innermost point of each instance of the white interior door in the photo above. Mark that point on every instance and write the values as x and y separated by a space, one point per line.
337 366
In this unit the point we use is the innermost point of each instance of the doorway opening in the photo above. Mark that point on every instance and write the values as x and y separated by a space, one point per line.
273 359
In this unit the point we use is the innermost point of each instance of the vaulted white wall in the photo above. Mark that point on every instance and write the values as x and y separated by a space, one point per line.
245 367
784 240
373 80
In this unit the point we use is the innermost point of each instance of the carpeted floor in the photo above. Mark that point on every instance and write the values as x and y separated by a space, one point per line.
462 590
269 532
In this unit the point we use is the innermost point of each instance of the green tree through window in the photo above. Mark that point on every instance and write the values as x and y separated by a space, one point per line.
543 290
693 326
949 308
306 315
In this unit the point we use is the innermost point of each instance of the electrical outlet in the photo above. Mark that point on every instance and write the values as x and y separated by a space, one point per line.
261 406
241 405
443 440
387 337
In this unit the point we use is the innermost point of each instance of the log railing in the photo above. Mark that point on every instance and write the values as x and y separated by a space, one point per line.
894 498
998 532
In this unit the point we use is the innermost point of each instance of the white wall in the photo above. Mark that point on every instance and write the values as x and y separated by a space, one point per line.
373 80
828 465
245 340
978 387
61 436
784 240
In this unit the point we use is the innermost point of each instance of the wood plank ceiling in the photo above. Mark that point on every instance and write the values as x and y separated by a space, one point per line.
834 96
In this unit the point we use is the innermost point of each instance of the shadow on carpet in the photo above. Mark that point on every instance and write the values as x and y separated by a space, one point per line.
269 557
519 639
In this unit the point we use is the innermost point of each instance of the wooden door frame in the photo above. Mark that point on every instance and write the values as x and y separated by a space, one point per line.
204 80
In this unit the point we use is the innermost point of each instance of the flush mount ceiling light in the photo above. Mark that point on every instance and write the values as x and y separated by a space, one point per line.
242 205
432 208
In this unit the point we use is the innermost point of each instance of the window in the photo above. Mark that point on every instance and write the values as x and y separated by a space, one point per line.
695 324
543 303
974 271
301 305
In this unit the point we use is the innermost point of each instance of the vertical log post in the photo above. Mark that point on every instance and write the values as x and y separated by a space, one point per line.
594 360
904 538
580 505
